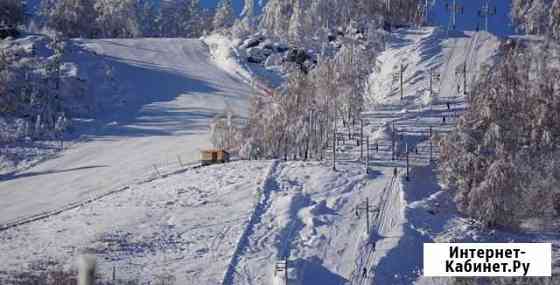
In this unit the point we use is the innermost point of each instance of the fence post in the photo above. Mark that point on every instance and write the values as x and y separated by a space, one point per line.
361 139
367 154
180 162
157 171
430 144
86 271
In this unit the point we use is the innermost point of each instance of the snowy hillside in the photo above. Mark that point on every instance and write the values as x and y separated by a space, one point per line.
339 140
236 223
168 91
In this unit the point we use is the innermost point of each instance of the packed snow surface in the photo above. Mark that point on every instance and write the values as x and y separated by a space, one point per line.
186 226
238 223
171 89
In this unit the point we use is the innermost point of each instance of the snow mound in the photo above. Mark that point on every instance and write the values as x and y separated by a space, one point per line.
224 54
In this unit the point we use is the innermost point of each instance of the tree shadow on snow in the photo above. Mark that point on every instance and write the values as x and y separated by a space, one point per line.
403 263
37 173
315 273
137 102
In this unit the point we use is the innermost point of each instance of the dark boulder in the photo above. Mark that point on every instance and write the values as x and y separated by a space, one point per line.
297 55
6 32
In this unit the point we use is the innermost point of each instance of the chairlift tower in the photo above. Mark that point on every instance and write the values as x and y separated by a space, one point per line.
433 76
486 12
461 71
454 9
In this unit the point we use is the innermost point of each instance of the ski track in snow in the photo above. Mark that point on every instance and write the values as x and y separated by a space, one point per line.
261 207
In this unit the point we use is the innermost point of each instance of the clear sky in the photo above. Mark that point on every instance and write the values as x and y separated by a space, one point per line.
500 24
237 4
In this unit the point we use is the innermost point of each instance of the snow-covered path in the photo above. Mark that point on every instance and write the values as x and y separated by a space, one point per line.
173 88
404 222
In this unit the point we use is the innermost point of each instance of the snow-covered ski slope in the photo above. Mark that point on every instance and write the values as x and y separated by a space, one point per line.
404 222
232 224
171 89
186 226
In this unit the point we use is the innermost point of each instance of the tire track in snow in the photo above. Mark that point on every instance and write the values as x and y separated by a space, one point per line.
260 208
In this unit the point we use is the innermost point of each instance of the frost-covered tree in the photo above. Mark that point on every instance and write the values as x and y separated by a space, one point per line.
501 156
73 18
117 18
182 18
32 92
247 23
225 132
276 16
11 12
280 17
148 17
296 23
225 16
537 16
194 24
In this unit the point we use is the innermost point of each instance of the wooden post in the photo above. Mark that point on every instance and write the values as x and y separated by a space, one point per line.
180 162
367 155
286 270
465 78
335 139
334 143
368 210
157 171
407 163
402 83
430 138
367 216
361 139
393 144
431 83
